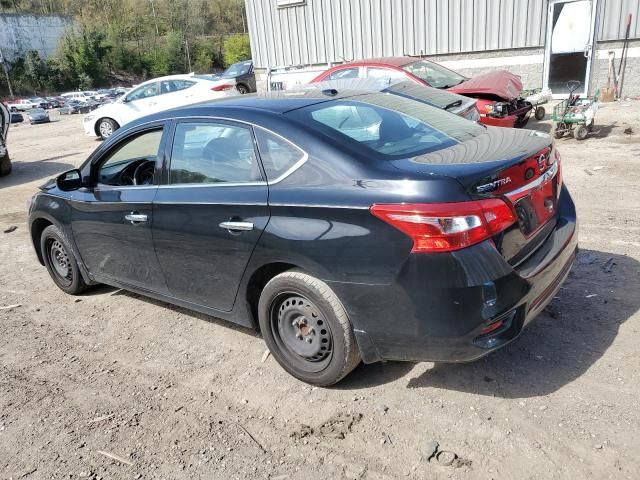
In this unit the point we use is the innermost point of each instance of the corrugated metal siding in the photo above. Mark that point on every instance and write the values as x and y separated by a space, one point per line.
331 31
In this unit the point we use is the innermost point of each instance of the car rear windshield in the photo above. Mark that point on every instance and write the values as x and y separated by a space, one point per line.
435 75
237 69
386 124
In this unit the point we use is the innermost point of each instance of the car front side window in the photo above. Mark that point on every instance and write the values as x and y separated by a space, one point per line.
145 91
212 152
132 162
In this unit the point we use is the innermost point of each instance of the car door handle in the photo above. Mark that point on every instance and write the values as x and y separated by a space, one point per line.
136 218
237 226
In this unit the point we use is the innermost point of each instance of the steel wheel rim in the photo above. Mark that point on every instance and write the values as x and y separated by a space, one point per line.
106 129
60 261
301 332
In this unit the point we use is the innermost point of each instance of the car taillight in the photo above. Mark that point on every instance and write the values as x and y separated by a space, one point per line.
445 227
222 88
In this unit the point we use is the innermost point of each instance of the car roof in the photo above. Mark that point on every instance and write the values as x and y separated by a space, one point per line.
393 61
268 102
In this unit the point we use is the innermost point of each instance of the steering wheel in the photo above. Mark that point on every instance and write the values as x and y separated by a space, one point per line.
143 174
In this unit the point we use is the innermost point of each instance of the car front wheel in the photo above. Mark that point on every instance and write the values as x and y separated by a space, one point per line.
60 261
106 127
306 328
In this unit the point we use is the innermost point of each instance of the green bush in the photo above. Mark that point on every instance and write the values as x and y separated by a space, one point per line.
236 49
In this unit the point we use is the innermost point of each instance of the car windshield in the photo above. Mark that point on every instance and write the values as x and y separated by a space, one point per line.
435 75
386 124
237 69
36 111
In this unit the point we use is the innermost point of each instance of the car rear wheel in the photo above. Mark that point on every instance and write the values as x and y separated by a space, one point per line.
540 113
242 89
306 328
60 261
106 127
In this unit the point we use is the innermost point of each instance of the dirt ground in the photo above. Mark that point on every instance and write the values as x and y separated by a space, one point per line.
112 385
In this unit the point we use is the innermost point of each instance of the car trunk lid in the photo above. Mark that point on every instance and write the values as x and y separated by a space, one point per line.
517 166
500 84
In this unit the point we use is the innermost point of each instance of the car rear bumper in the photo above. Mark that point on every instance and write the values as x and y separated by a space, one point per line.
441 303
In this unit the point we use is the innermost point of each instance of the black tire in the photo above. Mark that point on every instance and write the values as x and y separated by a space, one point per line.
318 321
540 113
581 132
560 130
60 261
242 89
521 121
5 165
106 127
590 126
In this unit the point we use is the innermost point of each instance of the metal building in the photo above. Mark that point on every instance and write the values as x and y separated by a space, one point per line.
541 40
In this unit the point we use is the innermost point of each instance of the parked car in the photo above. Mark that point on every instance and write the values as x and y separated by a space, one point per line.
74 106
22 104
154 96
54 102
80 96
39 102
450 102
243 74
5 121
38 115
344 226
498 93
16 117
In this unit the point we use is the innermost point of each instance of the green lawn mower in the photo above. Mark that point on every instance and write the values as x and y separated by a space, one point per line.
574 116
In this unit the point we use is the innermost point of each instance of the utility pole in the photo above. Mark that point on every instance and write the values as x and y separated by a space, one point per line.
155 19
186 43
6 73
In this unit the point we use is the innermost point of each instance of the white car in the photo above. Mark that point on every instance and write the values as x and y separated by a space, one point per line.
154 96
23 105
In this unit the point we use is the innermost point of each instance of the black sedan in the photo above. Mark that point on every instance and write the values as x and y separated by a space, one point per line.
74 106
344 226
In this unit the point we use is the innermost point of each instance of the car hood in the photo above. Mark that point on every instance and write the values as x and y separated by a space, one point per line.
500 83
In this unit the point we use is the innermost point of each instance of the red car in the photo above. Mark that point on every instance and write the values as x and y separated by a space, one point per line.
498 93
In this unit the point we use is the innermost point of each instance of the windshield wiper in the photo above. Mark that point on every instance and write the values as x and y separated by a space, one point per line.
457 103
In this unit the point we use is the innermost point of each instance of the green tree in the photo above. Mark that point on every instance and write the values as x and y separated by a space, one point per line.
83 55
236 49
35 70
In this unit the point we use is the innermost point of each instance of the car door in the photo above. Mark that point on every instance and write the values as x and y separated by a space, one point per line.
112 217
210 211
140 102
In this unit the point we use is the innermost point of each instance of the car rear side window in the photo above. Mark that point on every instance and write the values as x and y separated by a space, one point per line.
390 125
277 154
213 152
168 86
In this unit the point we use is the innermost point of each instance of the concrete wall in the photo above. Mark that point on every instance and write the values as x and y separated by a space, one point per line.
21 33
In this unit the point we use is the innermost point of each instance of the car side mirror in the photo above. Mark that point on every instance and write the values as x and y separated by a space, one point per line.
69 181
